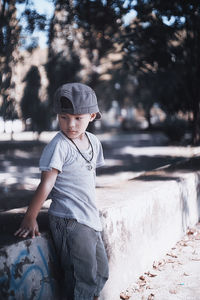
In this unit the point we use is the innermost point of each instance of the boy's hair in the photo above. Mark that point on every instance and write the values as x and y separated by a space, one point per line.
76 98
65 103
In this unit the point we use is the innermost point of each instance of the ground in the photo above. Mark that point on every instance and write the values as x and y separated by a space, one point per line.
175 277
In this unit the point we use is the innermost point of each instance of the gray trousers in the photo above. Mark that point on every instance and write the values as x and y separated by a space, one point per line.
82 256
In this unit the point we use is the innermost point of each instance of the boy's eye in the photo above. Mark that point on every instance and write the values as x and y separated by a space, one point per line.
78 118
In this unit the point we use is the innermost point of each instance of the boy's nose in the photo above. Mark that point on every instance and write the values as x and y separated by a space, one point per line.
71 123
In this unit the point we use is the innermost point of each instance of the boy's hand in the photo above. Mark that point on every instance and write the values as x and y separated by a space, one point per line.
28 227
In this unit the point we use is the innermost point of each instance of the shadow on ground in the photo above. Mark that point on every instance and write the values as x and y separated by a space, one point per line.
19 173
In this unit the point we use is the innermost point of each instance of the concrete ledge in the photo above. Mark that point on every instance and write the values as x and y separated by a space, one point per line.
142 219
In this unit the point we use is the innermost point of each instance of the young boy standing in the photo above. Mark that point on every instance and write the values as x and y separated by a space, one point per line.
68 166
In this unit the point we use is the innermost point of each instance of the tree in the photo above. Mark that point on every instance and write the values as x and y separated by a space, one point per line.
31 106
9 37
63 56
10 40
144 94
163 44
82 34
100 23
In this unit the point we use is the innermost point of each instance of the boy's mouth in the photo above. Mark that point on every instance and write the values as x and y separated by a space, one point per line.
71 131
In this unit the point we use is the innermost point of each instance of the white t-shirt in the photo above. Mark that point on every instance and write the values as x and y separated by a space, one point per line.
73 195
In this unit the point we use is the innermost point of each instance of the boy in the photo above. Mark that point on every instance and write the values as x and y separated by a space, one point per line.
68 165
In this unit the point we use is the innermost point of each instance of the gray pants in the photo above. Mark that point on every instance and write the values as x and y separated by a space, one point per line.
82 256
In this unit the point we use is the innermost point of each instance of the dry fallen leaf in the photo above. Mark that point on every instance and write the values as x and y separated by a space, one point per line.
150 274
142 284
183 243
158 264
148 287
124 296
172 255
172 291
185 274
190 232
142 277
170 261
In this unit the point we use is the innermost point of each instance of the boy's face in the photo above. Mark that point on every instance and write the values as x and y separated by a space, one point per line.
74 126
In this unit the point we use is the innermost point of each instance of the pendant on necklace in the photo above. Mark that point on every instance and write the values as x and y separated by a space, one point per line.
89 167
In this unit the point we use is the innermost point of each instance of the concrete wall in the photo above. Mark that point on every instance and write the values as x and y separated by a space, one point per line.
29 270
146 218
142 219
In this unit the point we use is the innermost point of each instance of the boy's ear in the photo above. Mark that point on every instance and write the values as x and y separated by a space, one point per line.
92 116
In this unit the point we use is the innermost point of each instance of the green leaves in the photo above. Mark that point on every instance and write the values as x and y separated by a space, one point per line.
164 40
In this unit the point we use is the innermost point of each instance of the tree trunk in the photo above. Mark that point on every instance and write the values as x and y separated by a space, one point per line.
148 118
196 126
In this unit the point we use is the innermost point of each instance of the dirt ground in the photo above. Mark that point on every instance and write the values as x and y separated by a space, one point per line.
175 277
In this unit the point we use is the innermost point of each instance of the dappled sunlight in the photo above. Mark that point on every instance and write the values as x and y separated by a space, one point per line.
10 126
173 151
115 162
126 156
129 155
133 139
22 154
19 176
14 177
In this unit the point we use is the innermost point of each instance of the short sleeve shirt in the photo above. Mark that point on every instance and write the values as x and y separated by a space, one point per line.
73 195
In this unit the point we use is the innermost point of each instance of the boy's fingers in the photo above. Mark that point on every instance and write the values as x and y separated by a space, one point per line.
18 231
24 233
37 233
21 232
34 233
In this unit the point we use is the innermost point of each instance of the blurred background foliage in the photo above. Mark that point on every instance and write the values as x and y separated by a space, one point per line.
150 63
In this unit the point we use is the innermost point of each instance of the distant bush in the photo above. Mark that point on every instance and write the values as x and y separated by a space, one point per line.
174 128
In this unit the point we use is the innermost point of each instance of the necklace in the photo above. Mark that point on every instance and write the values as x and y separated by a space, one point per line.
89 166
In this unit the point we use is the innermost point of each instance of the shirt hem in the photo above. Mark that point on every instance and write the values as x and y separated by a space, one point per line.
77 219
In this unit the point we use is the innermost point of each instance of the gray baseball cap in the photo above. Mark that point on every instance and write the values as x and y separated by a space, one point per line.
76 98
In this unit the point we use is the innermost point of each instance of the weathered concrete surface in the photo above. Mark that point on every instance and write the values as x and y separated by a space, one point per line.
142 219
28 270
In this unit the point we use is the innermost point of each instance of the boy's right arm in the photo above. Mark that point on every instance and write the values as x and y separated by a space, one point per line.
29 224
